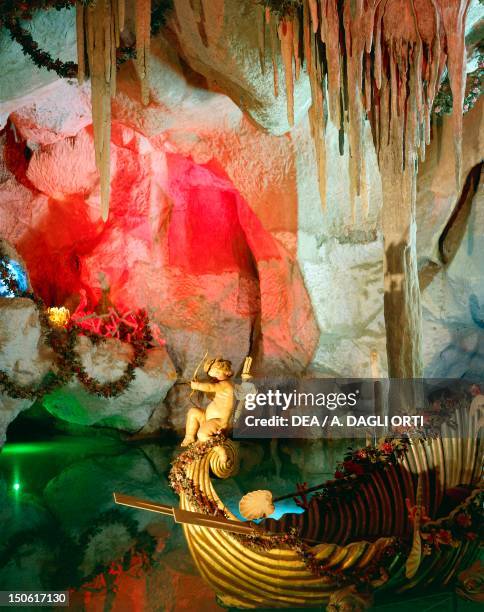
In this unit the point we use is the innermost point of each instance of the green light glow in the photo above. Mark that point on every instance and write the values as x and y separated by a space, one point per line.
25 448
16 486
59 445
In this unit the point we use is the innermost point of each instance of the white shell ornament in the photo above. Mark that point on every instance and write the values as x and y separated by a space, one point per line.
256 504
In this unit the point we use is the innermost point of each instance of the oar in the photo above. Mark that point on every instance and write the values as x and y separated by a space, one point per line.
197 518
259 504
186 516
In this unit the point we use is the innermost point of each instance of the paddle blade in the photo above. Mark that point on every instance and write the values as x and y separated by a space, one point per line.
256 505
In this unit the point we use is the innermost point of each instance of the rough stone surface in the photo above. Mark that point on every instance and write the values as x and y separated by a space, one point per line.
132 409
24 354
438 192
56 169
46 118
226 54
341 258
453 307
20 76
27 359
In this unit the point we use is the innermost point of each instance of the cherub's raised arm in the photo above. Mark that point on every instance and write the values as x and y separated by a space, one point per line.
208 387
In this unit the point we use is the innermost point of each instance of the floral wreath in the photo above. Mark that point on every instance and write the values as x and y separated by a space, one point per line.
63 342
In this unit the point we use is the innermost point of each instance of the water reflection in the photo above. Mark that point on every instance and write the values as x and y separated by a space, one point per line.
60 527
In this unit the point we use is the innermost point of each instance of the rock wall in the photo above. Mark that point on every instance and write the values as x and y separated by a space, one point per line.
27 359
451 234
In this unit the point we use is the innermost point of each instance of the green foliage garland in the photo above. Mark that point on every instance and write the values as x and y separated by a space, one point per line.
68 363
443 99
12 12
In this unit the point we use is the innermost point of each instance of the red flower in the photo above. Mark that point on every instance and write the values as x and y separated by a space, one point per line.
353 468
386 447
463 520
471 535
444 536
339 474
362 454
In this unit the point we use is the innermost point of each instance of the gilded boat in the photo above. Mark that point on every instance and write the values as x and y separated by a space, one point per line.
371 532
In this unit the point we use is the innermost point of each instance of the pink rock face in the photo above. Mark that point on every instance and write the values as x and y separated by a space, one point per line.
56 169
180 241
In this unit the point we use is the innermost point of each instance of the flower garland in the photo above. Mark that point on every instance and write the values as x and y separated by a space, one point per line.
139 342
63 343
464 524
443 99
183 485
359 464
13 12
53 380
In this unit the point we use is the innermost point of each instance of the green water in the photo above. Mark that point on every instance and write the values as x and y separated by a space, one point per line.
60 527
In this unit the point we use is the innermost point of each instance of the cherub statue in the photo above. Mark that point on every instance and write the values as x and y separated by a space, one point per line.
201 424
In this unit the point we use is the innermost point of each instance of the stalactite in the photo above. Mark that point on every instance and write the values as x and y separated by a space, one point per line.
453 19
261 37
81 51
354 20
313 7
99 26
316 111
143 36
102 68
274 50
295 46
317 132
285 31
121 14
330 35
385 59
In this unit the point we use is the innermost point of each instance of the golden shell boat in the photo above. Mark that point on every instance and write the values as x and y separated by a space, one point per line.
369 532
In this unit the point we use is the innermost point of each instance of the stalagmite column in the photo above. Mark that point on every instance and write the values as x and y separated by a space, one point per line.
402 309
385 58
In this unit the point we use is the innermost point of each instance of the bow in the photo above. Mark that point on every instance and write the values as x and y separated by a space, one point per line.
194 378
